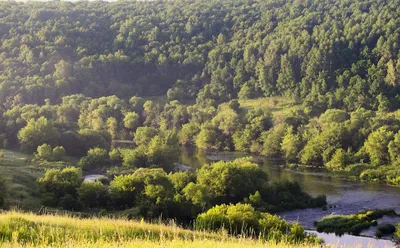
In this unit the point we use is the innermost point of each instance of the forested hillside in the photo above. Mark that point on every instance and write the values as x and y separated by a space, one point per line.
122 88
341 54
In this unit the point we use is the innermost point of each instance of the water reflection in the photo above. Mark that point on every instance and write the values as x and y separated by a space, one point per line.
353 241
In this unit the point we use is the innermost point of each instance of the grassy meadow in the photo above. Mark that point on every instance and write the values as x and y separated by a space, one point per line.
21 172
273 103
30 230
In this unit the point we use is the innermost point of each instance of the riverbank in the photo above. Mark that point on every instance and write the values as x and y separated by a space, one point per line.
344 195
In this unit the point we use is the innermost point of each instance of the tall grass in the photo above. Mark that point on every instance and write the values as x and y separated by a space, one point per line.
276 103
31 230
178 243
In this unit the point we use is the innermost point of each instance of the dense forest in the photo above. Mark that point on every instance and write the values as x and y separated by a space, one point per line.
314 83
331 54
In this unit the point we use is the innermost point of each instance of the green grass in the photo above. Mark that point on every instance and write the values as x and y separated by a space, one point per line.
273 103
389 174
30 230
353 224
21 172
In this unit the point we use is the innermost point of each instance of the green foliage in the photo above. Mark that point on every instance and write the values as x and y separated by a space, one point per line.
44 152
288 195
188 133
143 135
232 181
123 190
181 179
207 138
58 153
394 148
385 229
112 82
160 151
226 120
20 229
61 185
389 174
149 189
131 120
96 159
340 159
38 132
134 158
353 224
93 194
115 156
321 147
163 152
290 145
376 145
244 219
92 139
273 140
197 194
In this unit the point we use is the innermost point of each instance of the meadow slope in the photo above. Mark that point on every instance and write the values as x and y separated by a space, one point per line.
31 230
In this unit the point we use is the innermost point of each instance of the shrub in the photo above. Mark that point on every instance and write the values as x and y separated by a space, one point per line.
320 201
58 153
68 202
95 159
383 229
354 224
115 156
44 152
244 219
58 183
93 194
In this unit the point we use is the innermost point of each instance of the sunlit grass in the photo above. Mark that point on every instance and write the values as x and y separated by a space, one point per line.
30 230
274 103
175 243
21 173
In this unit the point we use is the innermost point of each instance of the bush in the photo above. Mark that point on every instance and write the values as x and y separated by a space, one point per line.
244 219
383 229
320 201
115 156
68 202
44 152
96 158
353 224
231 182
58 153
134 158
56 184
237 219
93 194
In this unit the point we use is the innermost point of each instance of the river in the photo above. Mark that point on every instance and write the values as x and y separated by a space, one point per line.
344 196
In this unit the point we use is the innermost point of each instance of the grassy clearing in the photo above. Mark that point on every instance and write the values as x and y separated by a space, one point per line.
273 103
353 224
21 174
30 230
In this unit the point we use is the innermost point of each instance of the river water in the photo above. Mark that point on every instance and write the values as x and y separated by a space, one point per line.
344 196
